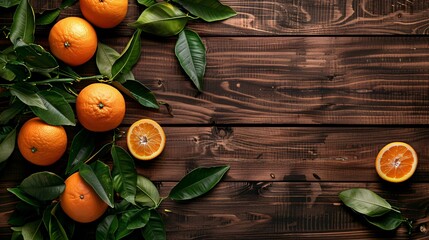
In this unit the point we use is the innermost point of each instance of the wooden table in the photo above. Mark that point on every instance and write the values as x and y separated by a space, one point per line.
299 97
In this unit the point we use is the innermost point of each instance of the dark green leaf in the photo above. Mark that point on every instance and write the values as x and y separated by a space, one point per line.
23 213
24 197
124 174
365 202
67 96
146 3
125 77
58 112
198 182
139 92
388 221
17 233
7 145
67 3
122 231
98 177
19 69
67 71
106 148
48 16
23 26
4 72
9 113
106 228
191 53
81 148
35 57
154 229
105 58
135 218
208 10
56 230
122 206
147 193
43 185
161 19
129 57
9 3
33 230
27 94
67 223
47 213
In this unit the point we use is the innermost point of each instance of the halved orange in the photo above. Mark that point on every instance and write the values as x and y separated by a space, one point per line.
145 139
396 162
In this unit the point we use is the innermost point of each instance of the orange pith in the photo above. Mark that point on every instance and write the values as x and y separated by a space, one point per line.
73 40
80 202
40 143
396 162
145 139
104 13
100 107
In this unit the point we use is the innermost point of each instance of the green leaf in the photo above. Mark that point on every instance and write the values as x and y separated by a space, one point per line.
81 148
24 197
135 218
23 213
388 221
9 3
19 70
198 182
17 234
58 112
23 26
161 19
7 145
35 57
43 186
208 10
147 193
146 3
98 177
365 201
27 94
106 228
66 222
129 57
4 72
67 3
33 230
9 113
139 92
154 229
191 53
124 174
67 96
122 231
56 230
48 16
105 58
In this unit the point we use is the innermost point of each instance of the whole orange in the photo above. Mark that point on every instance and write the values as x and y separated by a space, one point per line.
104 13
40 143
73 40
79 200
100 107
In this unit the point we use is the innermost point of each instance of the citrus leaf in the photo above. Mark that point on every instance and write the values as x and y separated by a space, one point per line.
191 53
35 57
161 19
67 3
124 174
33 230
48 16
23 26
24 197
70 98
105 57
98 177
146 3
43 186
208 10
4 72
389 221
106 228
8 114
27 94
139 92
7 145
66 223
129 56
58 112
56 230
198 182
365 201
147 193
9 3
23 213
135 218
154 228
81 148
19 69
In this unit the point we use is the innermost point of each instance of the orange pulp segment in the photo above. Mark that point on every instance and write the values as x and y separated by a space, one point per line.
145 139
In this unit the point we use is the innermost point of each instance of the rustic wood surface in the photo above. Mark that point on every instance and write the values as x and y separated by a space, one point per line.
299 97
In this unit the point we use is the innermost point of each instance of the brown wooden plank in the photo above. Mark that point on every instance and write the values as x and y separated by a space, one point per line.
296 17
264 154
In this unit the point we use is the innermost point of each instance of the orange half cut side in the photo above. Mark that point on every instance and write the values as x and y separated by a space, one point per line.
396 162
145 139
